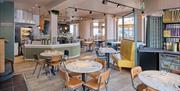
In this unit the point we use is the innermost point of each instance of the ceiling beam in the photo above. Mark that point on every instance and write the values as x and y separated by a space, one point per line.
91 10
105 1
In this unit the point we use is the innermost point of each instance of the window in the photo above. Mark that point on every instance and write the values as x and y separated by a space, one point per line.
120 30
98 29
129 27
74 30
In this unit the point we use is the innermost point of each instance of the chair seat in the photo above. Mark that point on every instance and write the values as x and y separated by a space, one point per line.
141 87
93 84
95 75
74 83
54 63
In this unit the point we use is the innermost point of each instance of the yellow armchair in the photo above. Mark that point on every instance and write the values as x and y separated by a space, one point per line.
126 57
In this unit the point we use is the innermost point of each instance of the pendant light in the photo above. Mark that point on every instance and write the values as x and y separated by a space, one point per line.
39 27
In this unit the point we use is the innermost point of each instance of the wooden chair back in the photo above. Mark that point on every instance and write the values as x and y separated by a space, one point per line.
103 62
56 58
62 74
104 77
36 57
65 76
135 71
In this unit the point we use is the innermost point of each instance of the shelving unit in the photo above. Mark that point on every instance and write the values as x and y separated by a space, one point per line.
171 40
25 33
169 62
171 31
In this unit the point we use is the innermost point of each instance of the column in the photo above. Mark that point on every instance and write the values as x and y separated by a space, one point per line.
53 27
110 27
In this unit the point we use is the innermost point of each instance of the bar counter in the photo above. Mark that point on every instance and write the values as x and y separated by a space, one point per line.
155 50
159 59
30 49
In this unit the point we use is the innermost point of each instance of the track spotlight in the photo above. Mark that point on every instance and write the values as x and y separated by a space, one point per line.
114 16
104 2
118 5
75 9
142 12
90 12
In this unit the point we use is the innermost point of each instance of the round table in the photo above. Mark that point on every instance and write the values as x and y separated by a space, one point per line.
160 80
50 53
83 67
89 44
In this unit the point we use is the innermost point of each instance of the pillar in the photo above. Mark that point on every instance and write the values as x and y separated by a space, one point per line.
110 27
53 27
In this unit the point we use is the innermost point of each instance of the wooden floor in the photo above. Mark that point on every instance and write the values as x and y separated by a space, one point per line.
119 81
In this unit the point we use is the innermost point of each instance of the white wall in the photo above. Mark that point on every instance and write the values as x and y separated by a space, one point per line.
53 28
85 29
155 5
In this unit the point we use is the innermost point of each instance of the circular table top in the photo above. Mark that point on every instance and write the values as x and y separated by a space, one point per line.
107 50
160 80
116 42
88 42
86 66
98 40
51 53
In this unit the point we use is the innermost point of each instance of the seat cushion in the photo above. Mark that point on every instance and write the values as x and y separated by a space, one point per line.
117 56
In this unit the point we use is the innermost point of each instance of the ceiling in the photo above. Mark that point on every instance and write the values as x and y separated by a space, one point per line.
94 5
32 5
67 13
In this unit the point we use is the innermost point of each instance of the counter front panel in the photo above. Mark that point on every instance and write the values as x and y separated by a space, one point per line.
29 50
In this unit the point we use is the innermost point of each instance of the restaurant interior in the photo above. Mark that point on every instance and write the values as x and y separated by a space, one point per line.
89 45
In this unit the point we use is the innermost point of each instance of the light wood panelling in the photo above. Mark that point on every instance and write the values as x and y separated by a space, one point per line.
2 54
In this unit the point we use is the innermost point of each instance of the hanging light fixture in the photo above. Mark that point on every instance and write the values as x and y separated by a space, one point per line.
118 5
75 9
142 6
104 2
90 12
39 27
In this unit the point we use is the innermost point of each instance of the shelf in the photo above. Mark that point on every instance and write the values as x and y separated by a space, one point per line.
171 22
173 37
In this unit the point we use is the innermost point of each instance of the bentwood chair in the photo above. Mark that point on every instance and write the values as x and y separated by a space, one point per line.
71 74
41 62
102 56
66 54
176 72
96 74
101 82
55 63
70 82
140 87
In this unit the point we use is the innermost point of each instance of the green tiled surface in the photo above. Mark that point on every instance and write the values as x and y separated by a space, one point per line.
29 52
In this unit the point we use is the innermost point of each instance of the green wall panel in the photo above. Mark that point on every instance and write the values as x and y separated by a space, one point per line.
29 52
7 27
